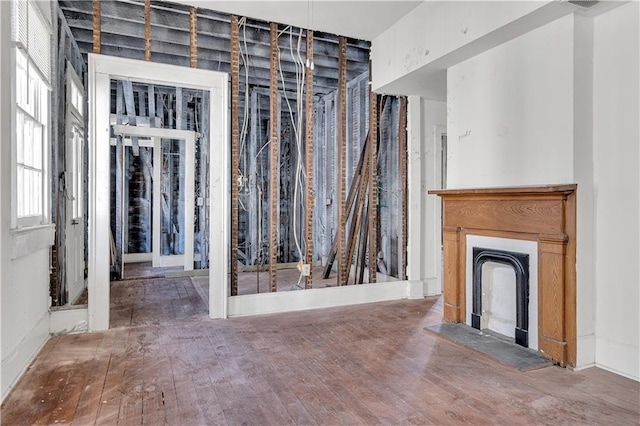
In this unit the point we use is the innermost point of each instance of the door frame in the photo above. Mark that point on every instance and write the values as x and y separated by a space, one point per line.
189 138
102 69
74 126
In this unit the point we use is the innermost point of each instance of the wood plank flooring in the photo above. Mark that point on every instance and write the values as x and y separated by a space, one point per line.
164 362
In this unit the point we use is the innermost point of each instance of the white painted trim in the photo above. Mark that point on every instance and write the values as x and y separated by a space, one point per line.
70 320
432 286
287 301
17 362
124 129
142 143
157 208
101 70
582 367
219 199
170 261
414 195
618 372
189 138
25 241
137 257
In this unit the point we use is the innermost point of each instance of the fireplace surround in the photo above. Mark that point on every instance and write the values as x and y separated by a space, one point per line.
520 264
545 214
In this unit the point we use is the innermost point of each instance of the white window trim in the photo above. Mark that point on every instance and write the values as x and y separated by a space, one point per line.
45 217
44 13
75 120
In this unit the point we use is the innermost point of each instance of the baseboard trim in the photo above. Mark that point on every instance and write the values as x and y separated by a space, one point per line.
432 287
17 362
288 301
618 372
69 321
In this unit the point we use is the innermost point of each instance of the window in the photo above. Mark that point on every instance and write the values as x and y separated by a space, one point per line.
32 61
75 135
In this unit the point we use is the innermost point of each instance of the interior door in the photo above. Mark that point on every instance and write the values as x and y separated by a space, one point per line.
74 172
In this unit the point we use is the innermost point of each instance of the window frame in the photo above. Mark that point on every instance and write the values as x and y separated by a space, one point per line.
75 128
42 116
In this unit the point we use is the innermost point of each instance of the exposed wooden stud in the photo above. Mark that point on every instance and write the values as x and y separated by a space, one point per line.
341 147
147 30
274 140
235 144
349 203
356 219
364 235
204 182
309 194
373 184
193 37
96 27
402 186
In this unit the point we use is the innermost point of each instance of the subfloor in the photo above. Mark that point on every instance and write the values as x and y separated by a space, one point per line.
165 362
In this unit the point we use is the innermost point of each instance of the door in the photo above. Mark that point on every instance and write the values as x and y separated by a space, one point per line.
74 188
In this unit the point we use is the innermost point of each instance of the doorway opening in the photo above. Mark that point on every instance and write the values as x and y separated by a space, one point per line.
157 189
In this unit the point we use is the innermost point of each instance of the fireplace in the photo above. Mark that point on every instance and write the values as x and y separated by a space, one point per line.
541 215
520 264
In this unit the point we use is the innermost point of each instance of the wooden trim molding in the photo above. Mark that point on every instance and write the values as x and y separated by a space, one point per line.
545 214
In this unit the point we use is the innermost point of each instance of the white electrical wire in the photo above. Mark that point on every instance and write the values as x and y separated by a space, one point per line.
245 119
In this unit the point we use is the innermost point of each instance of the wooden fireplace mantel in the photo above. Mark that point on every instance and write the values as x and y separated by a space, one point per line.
546 214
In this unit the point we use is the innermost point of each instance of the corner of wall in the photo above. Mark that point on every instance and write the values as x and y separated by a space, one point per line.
583 172
616 132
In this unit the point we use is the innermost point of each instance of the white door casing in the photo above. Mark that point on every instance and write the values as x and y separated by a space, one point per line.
102 69
188 138
73 187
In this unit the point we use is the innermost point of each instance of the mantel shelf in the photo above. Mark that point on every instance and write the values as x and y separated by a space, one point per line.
520 190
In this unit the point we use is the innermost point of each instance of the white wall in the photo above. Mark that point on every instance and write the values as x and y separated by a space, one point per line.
521 114
4 154
425 119
510 118
583 176
434 119
24 266
616 132
558 105
409 57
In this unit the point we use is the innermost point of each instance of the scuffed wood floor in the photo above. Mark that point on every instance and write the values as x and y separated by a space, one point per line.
165 362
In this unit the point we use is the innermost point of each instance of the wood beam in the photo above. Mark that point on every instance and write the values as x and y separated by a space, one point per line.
96 26
147 30
342 159
235 144
373 184
274 186
402 186
193 39
309 195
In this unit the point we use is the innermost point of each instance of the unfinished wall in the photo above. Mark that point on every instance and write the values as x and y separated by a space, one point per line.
616 136
211 44
68 54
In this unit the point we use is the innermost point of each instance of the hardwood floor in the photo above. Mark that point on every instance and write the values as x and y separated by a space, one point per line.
165 362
